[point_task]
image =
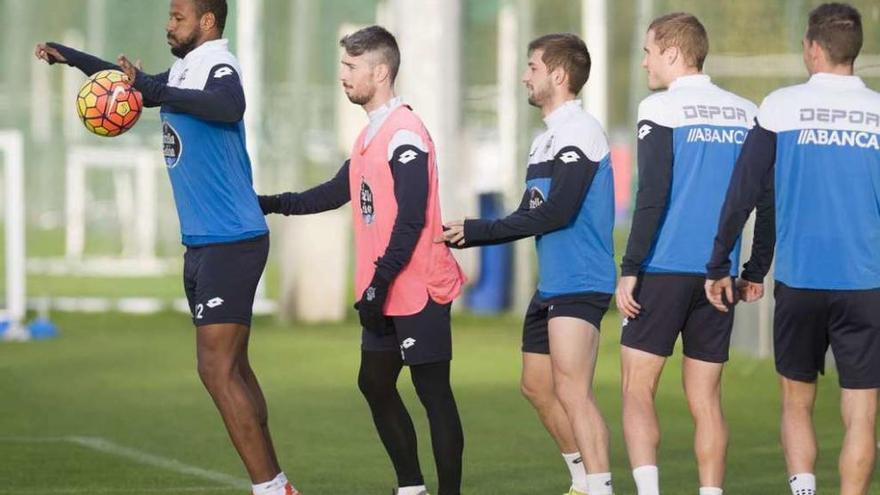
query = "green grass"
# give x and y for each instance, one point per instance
(131, 380)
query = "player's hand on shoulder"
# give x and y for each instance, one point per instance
(749, 291)
(626, 301)
(48, 54)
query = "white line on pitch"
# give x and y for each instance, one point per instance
(66, 491)
(108, 447)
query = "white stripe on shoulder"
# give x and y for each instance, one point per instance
(656, 109)
(405, 137)
(585, 133)
(807, 106)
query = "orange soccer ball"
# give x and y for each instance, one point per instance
(107, 104)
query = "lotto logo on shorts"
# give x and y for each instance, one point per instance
(407, 343)
(213, 303)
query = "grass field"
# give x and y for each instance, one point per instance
(114, 406)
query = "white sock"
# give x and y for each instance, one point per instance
(575, 464)
(647, 480)
(269, 487)
(803, 484)
(599, 484)
(710, 490)
(411, 490)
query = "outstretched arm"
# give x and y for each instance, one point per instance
(222, 99)
(327, 196)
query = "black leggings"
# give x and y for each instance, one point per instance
(378, 382)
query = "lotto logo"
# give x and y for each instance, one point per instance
(222, 72)
(569, 157)
(213, 303)
(407, 156)
(407, 343)
(644, 131)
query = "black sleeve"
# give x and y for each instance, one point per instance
(764, 239)
(222, 99)
(523, 207)
(409, 166)
(161, 79)
(327, 196)
(752, 179)
(90, 64)
(572, 175)
(655, 160)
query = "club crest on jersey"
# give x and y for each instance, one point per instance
(172, 146)
(367, 209)
(536, 198)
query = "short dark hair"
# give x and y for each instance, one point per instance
(837, 27)
(216, 7)
(374, 39)
(568, 51)
(685, 32)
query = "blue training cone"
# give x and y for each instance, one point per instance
(42, 329)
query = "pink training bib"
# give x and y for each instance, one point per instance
(432, 270)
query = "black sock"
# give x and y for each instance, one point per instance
(447, 439)
(378, 382)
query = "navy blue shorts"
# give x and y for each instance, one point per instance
(589, 306)
(675, 304)
(221, 280)
(808, 321)
(425, 337)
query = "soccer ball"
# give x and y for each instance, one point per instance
(107, 104)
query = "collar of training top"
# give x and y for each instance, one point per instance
(562, 113)
(378, 116)
(221, 44)
(837, 80)
(691, 80)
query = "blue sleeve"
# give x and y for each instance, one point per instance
(327, 196)
(409, 167)
(222, 99)
(752, 181)
(569, 183)
(655, 159)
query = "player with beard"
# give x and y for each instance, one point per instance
(225, 234)
(568, 206)
(404, 282)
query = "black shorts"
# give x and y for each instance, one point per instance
(221, 279)
(807, 321)
(673, 304)
(425, 337)
(589, 306)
